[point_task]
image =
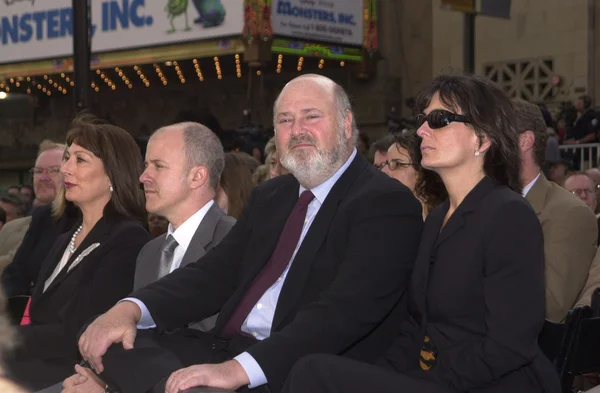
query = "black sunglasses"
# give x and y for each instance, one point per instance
(440, 118)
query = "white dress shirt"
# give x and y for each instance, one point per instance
(185, 233)
(260, 319)
(528, 187)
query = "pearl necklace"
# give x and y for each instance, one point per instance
(72, 247)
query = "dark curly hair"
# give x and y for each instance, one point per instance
(491, 115)
(410, 141)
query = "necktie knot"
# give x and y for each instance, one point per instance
(305, 198)
(170, 244)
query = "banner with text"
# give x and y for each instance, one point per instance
(36, 29)
(335, 21)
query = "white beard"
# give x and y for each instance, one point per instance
(313, 167)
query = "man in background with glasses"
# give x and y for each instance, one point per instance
(46, 172)
(584, 187)
(46, 181)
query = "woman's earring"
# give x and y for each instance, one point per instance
(110, 188)
(476, 155)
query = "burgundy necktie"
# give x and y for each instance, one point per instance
(288, 240)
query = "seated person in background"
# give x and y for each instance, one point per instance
(402, 165)
(236, 183)
(583, 186)
(318, 262)
(569, 226)
(273, 161)
(14, 205)
(261, 174)
(92, 266)
(476, 295)
(46, 180)
(379, 151)
(594, 173)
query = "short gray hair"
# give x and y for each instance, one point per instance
(202, 147)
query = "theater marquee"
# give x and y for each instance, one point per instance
(35, 29)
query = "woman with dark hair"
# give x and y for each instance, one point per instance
(90, 267)
(476, 296)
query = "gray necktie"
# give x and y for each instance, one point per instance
(166, 258)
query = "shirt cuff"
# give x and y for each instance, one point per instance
(146, 321)
(252, 368)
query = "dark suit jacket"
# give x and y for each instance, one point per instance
(94, 285)
(213, 228)
(347, 277)
(19, 277)
(477, 291)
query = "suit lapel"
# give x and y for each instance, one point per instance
(51, 261)
(470, 203)
(429, 238)
(204, 235)
(434, 236)
(311, 244)
(96, 235)
(146, 268)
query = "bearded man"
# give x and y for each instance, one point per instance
(318, 263)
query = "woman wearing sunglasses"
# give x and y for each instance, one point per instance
(476, 297)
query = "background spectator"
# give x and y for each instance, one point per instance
(14, 206)
(236, 183)
(47, 178)
(379, 151)
(594, 173)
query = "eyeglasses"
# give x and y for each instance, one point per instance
(582, 191)
(381, 165)
(440, 118)
(394, 164)
(51, 171)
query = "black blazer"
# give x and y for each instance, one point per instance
(347, 277)
(21, 275)
(477, 291)
(95, 284)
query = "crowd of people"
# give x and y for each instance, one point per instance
(431, 266)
